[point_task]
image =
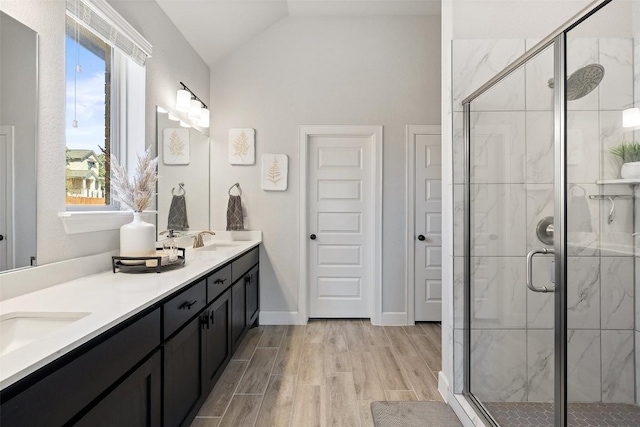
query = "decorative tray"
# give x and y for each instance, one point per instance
(146, 264)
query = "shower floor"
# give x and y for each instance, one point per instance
(533, 414)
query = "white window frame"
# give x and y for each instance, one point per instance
(127, 127)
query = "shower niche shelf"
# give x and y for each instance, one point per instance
(629, 181)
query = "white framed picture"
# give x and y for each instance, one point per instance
(275, 168)
(175, 147)
(242, 146)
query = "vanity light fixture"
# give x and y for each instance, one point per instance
(631, 117)
(188, 102)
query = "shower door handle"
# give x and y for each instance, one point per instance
(530, 255)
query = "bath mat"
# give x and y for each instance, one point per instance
(413, 414)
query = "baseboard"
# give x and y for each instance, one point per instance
(443, 386)
(391, 318)
(281, 318)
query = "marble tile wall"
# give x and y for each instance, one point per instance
(512, 189)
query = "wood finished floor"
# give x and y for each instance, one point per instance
(326, 373)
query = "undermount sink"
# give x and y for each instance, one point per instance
(18, 329)
(220, 246)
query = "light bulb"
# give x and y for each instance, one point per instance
(183, 101)
(631, 117)
(204, 118)
(194, 111)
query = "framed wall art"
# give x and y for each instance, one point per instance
(175, 147)
(275, 168)
(242, 146)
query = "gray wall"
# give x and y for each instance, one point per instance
(173, 60)
(18, 108)
(329, 70)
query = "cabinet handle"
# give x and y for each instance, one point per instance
(187, 305)
(212, 318)
(204, 320)
(219, 281)
(248, 280)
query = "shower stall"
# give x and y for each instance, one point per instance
(547, 315)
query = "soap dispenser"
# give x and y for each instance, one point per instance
(170, 245)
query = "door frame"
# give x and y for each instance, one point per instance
(375, 132)
(410, 286)
(9, 183)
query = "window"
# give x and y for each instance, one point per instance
(88, 116)
(105, 100)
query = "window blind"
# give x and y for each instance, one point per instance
(99, 17)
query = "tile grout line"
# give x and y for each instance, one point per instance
(239, 381)
(423, 359)
(402, 370)
(295, 394)
(264, 393)
(375, 365)
(353, 379)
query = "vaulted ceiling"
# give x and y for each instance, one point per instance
(217, 27)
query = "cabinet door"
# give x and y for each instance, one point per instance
(182, 362)
(238, 312)
(135, 402)
(217, 339)
(253, 294)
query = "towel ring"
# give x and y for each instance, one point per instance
(235, 185)
(181, 185)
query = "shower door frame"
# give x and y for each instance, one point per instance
(558, 40)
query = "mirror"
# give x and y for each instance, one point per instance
(183, 176)
(18, 143)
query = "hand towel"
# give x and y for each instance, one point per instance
(234, 214)
(178, 214)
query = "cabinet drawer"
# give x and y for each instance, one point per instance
(218, 282)
(183, 307)
(244, 263)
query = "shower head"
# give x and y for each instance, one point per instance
(582, 81)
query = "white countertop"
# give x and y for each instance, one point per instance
(109, 298)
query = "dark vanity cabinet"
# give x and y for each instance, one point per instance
(238, 312)
(216, 339)
(155, 369)
(118, 369)
(135, 402)
(252, 294)
(245, 294)
(182, 352)
(182, 362)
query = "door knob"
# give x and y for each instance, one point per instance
(312, 237)
(1, 237)
(421, 237)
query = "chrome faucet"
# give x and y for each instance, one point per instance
(197, 240)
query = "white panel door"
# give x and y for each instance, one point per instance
(6, 199)
(339, 223)
(428, 228)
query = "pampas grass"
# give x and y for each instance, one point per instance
(138, 194)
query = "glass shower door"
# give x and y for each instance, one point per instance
(510, 260)
(601, 255)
